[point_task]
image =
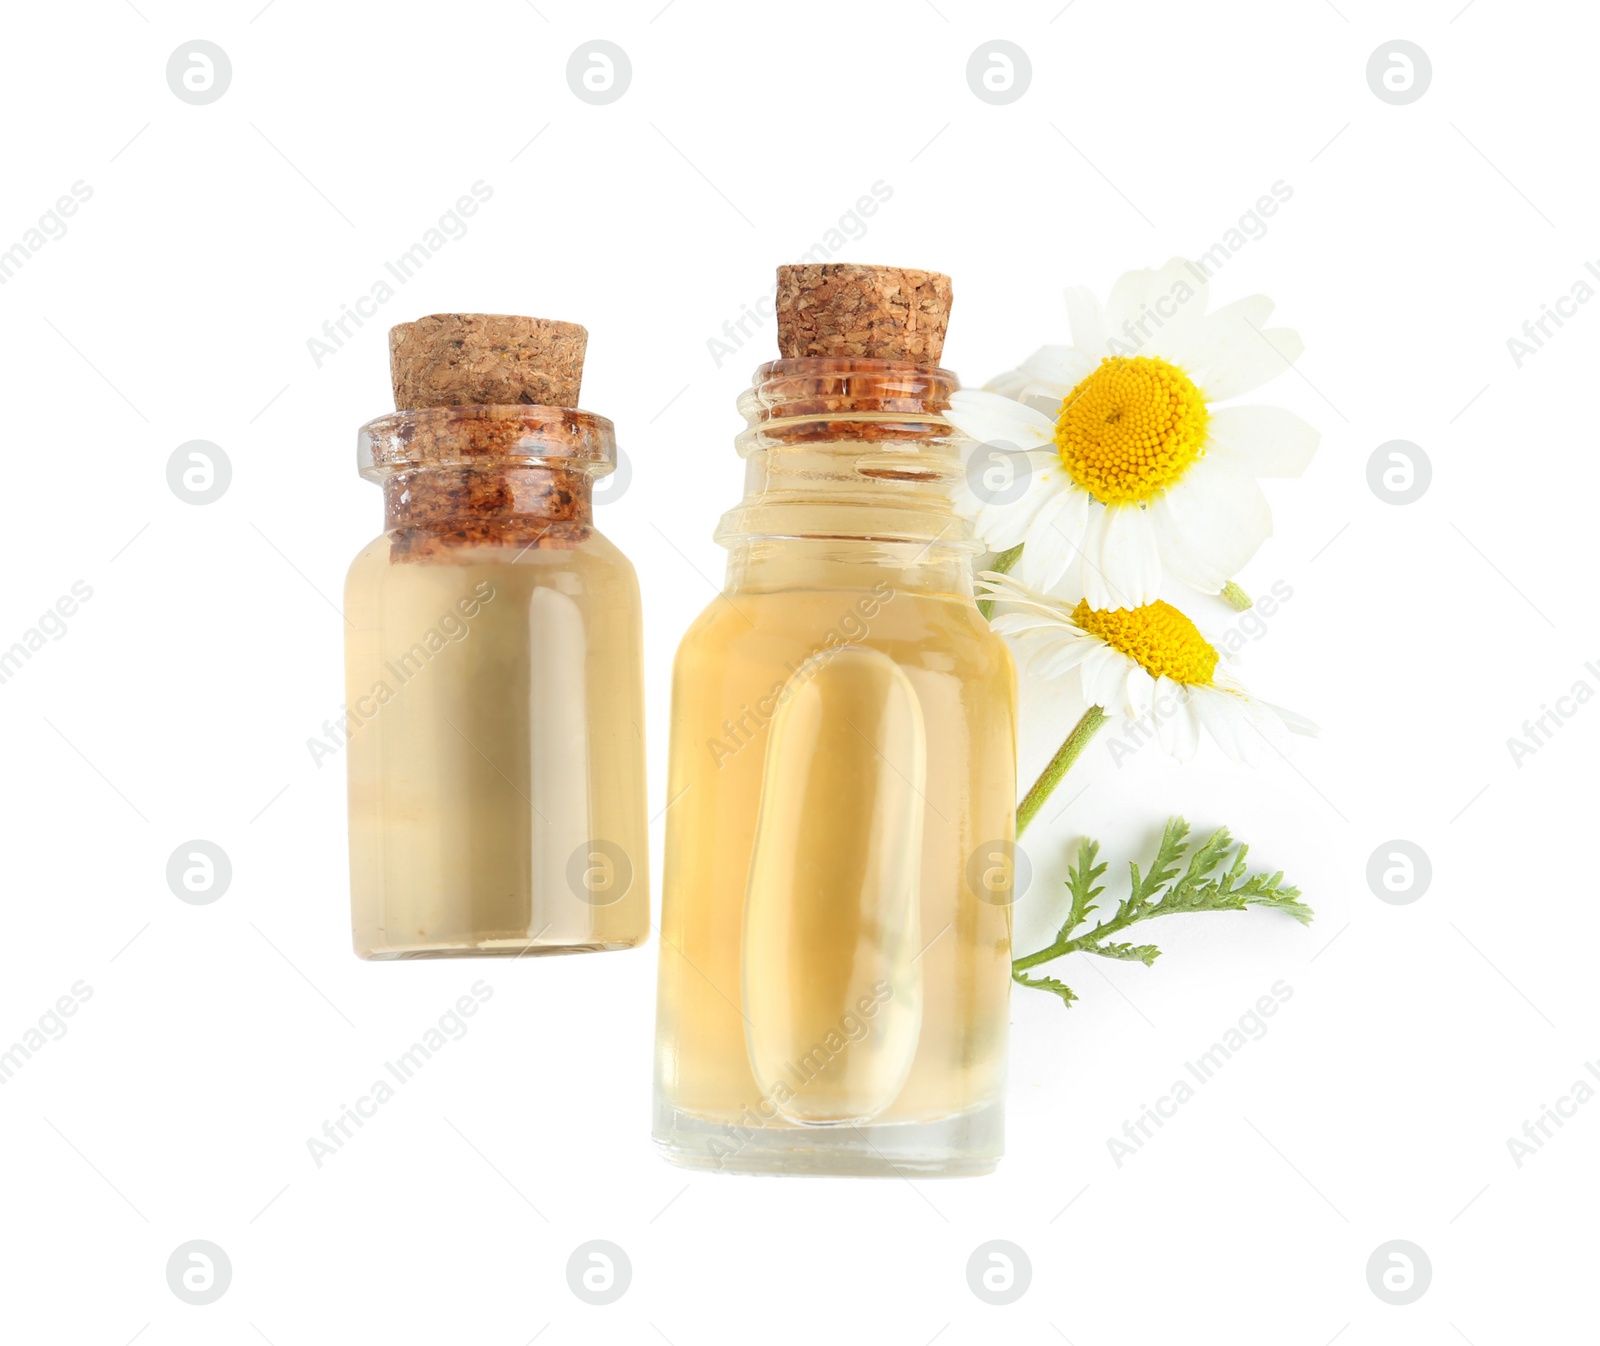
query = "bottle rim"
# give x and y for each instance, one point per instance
(895, 404)
(487, 436)
(867, 450)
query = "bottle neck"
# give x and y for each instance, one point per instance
(773, 565)
(848, 470)
(462, 478)
(430, 497)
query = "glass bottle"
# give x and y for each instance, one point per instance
(494, 692)
(835, 954)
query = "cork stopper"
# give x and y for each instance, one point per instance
(485, 359)
(862, 312)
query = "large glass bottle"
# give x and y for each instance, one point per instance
(835, 951)
(494, 691)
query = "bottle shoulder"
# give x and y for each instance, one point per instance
(912, 626)
(396, 547)
(594, 566)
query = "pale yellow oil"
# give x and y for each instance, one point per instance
(496, 753)
(839, 753)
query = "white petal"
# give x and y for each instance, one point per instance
(1231, 351)
(1069, 654)
(1011, 384)
(1162, 301)
(1209, 345)
(1174, 344)
(1059, 369)
(1224, 718)
(1128, 558)
(1090, 578)
(1209, 524)
(1088, 322)
(1024, 623)
(1166, 732)
(1266, 729)
(1291, 720)
(1000, 522)
(1139, 691)
(1045, 403)
(1105, 679)
(1041, 649)
(1055, 538)
(1180, 730)
(1010, 589)
(1261, 441)
(1245, 367)
(1120, 565)
(991, 419)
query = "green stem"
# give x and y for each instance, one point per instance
(1066, 755)
(1019, 965)
(1087, 940)
(1235, 597)
(1002, 564)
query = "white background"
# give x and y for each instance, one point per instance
(178, 705)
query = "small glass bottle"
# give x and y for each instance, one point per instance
(835, 949)
(494, 669)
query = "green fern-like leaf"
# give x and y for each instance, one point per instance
(1182, 879)
(1081, 884)
(1128, 953)
(1050, 984)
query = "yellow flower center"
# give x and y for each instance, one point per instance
(1157, 637)
(1131, 428)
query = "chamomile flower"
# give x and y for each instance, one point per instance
(1148, 660)
(1123, 469)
